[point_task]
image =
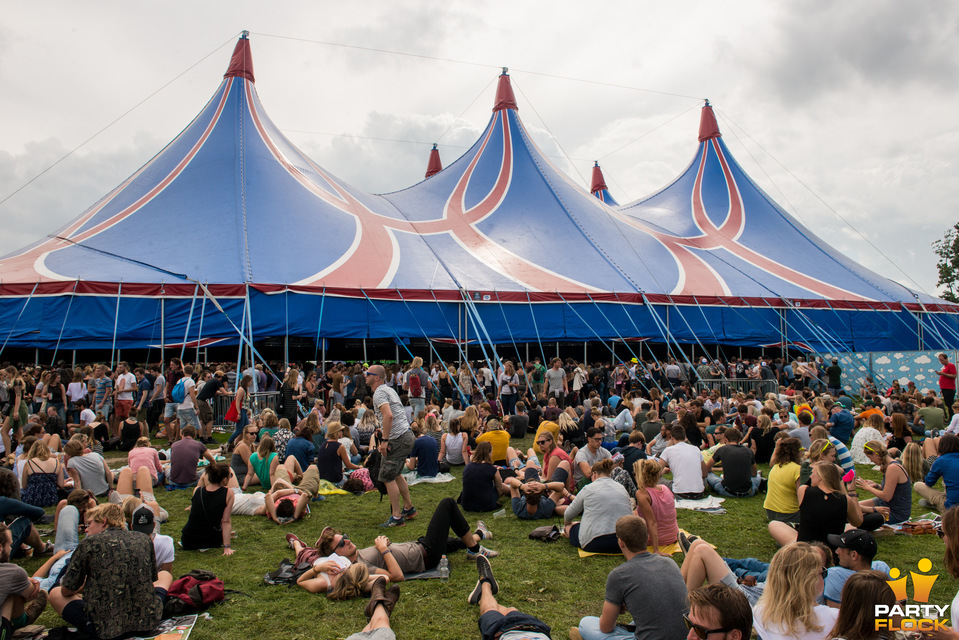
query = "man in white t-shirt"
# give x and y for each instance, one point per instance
(125, 385)
(686, 464)
(186, 410)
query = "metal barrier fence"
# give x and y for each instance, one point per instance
(262, 400)
(730, 386)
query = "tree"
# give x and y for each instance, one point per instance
(948, 251)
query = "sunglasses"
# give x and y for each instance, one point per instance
(824, 572)
(542, 442)
(701, 631)
(251, 433)
(343, 541)
(941, 533)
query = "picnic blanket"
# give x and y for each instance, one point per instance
(709, 504)
(177, 628)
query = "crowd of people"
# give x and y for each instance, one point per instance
(602, 439)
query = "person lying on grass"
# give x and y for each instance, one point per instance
(326, 572)
(414, 557)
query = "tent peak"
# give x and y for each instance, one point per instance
(241, 63)
(504, 93)
(434, 165)
(708, 127)
(599, 182)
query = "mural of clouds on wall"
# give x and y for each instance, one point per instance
(885, 367)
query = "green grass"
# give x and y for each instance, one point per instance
(548, 580)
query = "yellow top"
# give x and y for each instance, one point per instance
(499, 439)
(781, 488)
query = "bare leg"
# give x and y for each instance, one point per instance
(404, 490)
(380, 619)
(53, 442)
(702, 563)
(393, 491)
(512, 458)
(125, 482)
(782, 533)
(293, 468)
(488, 601)
(164, 580)
(144, 481)
(930, 447)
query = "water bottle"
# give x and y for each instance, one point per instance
(444, 567)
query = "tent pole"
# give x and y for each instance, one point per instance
(36, 357)
(612, 353)
(286, 336)
(640, 350)
(73, 364)
(365, 359)
(239, 353)
(584, 351)
(162, 330)
(189, 319)
(116, 320)
(249, 328)
(323, 362)
(557, 348)
(200, 333)
(527, 353)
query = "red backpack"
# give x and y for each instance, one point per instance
(415, 387)
(193, 592)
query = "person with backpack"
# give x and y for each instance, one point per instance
(110, 556)
(417, 383)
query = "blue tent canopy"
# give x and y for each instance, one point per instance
(231, 229)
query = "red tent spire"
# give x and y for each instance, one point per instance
(599, 183)
(504, 93)
(708, 127)
(241, 64)
(435, 165)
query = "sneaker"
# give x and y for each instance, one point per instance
(483, 532)
(409, 514)
(35, 607)
(394, 522)
(924, 503)
(485, 571)
(685, 542)
(482, 552)
(290, 538)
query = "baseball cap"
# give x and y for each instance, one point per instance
(143, 520)
(855, 540)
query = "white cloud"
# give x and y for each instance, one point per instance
(904, 368)
(883, 360)
(923, 360)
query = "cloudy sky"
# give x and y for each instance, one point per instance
(841, 111)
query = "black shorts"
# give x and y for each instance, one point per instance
(493, 623)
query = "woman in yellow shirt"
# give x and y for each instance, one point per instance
(782, 502)
(499, 440)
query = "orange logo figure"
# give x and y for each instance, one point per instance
(921, 584)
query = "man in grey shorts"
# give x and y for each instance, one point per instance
(395, 446)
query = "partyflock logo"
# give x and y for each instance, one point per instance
(923, 617)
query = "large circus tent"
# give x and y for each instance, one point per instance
(230, 233)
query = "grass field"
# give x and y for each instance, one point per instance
(548, 580)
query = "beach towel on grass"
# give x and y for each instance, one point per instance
(709, 504)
